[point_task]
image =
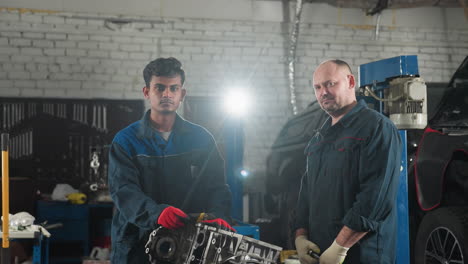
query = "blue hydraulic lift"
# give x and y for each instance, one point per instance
(377, 75)
(234, 153)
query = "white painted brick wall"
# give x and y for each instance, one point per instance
(56, 36)
(9, 50)
(55, 92)
(20, 42)
(35, 18)
(33, 35)
(77, 37)
(65, 44)
(54, 52)
(56, 55)
(32, 51)
(41, 43)
(56, 20)
(108, 46)
(75, 52)
(31, 92)
(37, 75)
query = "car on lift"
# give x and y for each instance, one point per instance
(437, 173)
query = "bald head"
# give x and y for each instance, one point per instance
(339, 63)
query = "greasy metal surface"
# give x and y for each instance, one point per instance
(204, 244)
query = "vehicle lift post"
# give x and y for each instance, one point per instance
(378, 75)
(234, 151)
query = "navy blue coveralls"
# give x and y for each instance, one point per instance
(352, 176)
(148, 174)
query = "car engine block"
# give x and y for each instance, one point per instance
(205, 244)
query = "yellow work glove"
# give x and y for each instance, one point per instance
(335, 254)
(303, 246)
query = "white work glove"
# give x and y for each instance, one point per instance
(303, 246)
(335, 254)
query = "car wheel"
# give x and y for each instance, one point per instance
(443, 237)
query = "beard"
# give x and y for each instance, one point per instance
(334, 108)
(330, 106)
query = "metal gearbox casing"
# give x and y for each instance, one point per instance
(410, 111)
(204, 244)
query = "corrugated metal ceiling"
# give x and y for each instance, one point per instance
(367, 4)
(374, 6)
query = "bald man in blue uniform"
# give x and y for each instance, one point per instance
(346, 207)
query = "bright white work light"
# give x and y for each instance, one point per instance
(244, 173)
(236, 102)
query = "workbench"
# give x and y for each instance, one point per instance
(72, 241)
(40, 246)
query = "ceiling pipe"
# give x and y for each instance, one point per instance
(292, 56)
(377, 27)
(381, 5)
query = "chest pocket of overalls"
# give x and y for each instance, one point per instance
(313, 159)
(344, 158)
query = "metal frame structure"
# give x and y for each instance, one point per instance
(377, 75)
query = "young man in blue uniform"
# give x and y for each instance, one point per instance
(346, 207)
(153, 164)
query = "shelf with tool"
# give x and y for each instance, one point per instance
(52, 140)
(55, 141)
